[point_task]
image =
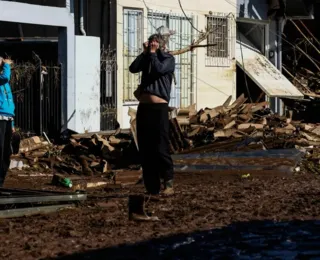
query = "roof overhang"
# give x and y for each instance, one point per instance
(267, 77)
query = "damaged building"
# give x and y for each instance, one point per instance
(80, 79)
(259, 49)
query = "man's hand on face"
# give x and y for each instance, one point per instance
(154, 46)
(145, 47)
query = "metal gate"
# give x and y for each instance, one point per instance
(182, 94)
(37, 94)
(108, 90)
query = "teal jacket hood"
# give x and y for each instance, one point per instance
(7, 106)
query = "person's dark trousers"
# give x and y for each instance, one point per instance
(153, 144)
(5, 148)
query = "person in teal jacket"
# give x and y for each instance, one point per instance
(7, 108)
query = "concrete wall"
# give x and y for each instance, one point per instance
(87, 84)
(213, 84)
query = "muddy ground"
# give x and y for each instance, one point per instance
(189, 222)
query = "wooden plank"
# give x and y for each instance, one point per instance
(204, 117)
(196, 131)
(283, 131)
(133, 127)
(33, 147)
(291, 127)
(101, 133)
(247, 108)
(230, 125)
(244, 117)
(183, 120)
(248, 125)
(213, 113)
(310, 136)
(259, 106)
(239, 101)
(227, 102)
(224, 133)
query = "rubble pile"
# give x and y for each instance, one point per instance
(240, 126)
(312, 160)
(307, 81)
(86, 154)
(237, 126)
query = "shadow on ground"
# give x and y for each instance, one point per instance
(243, 240)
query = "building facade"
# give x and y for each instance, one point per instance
(205, 76)
(95, 42)
(261, 24)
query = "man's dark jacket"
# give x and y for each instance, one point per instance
(157, 73)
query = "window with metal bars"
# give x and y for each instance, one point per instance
(220, 38)
(132, 47)
(182, 94)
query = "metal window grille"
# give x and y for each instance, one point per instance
(222, 28)
(132, 47)
(182, 94)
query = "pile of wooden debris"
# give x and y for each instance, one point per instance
(308, 82)
(252, 125)
(86, 154)
(237, 126)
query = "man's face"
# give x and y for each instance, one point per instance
(160, 41)
(153, 40)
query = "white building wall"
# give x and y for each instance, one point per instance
(87, 90)
(213, 85)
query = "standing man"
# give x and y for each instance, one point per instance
(7, 108)
(157, 67)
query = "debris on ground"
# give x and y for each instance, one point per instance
(308, 81)
(240, 126)
(237, 126)
(22, 202)
(84, 154)
(61, 180)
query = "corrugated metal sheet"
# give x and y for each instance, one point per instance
(263, 72)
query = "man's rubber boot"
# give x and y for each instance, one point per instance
(137, 212)
(168, 188)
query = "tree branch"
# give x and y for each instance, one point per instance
(196, 44)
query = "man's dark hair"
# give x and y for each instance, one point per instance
(154, 37)
(159, 38)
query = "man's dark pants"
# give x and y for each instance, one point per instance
(153, 142)
(5, 148)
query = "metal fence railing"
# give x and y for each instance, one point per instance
(37, 94)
